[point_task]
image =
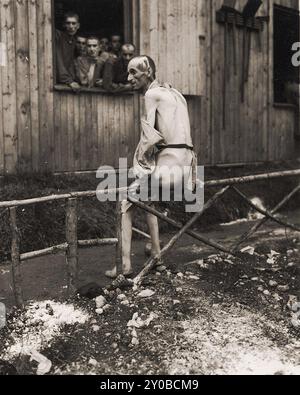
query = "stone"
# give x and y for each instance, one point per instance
(135, 341)
(93, 362)
(291, 265)
(99, 311)
(267, 293)
(196, 278)
(147, 293)
(100, 302)
(49, 309)
(273, 284)
(277, 297)
(293, 303)
(276, 269)
(295, 321)
(283, 288)
(248, 250)
(273, 254)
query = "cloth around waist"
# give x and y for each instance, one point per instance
(175, 146)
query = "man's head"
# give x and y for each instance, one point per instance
(71, 23)
(81, 45)
(128, 52)
(116, 42)
(93, 47)
(142, 72)
(104, 44)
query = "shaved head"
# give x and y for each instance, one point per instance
(128, 52)
(145, 64)
(128, 47)
(141, 72)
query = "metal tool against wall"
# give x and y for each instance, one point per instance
(249, 12)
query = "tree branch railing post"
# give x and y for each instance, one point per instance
(267, 216)
(72, 242)
(151, 263)
(15, 258)
(119, 231)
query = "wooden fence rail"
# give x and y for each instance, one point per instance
(70, 248)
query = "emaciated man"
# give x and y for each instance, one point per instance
(165, 145)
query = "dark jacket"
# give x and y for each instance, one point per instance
(82, 67)
(115, 76)
(65, 56)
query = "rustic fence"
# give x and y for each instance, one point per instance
(70, 248)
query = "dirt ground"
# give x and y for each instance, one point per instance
(207, 314)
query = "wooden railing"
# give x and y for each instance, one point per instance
(70, 248)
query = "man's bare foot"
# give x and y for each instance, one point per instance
(113, 273)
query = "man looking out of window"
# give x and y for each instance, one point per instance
(115, 78)
(104, 44)
(89, 69)
(65, 51)
(80, 46)
(116, 44)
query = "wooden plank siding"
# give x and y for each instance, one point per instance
(42, 129)
(23, 111)
(9, 90)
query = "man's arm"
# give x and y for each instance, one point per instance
(108, 75)
(63, 75)
(151, 104)
(81, 72)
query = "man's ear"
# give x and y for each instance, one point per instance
(149, 72)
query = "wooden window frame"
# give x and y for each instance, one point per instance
(277, 104)
(131, 34)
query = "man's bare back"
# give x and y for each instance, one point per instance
(166, 111)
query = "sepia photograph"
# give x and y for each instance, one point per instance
(149, 190)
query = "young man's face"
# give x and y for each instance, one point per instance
(72, 26)
(93, 48)
(128, 53)
(104, 44)
(116, 43)
(138, 79)
(81, 46)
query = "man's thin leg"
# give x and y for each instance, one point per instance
(154, 233)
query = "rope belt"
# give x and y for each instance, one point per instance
(176, 146)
